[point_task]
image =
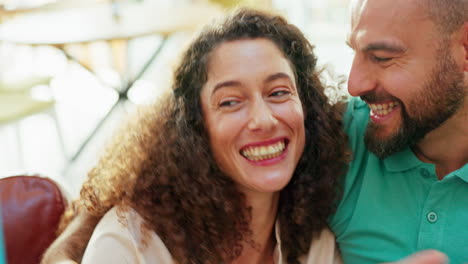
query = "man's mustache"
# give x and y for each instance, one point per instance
(373, 97)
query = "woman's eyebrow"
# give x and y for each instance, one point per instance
(233, 83)
(229, 83)
(279, 75)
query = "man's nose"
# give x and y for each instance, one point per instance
(261, 117)
(361, 78)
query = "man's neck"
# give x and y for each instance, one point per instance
(264, 209)
(447, 146)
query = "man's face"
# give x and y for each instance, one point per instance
(404, 71)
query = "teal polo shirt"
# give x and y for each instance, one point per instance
(394, 207)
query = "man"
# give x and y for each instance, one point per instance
(407, 188)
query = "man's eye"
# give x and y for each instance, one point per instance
(380, 59)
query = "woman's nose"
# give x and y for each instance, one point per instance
(261, 117)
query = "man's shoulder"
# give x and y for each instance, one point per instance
(355, 122)
(357, 111)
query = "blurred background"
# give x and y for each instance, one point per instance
(71, 71)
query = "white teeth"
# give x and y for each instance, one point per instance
(383, 109)
(271, 149)
(263, 152)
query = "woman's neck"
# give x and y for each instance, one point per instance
(264, 210)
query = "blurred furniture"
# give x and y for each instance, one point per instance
(259, 4)
(18, 100)
(31, 207)
(12, 6)
(116, 22)
(2, 244)
(23, 83)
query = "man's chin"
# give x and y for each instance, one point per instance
(384, 144)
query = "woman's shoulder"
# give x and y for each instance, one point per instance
(121, 238)
(323, 249)
(111, 242)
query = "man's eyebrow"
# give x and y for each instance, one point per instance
(384, 46)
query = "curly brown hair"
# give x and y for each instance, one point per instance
(161, 164)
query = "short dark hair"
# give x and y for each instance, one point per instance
(448, 15)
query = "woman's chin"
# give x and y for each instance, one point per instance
(267, 184)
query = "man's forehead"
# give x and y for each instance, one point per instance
(356, 9)
(381, 17)
(386, 9)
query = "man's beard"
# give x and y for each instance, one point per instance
(439, 100)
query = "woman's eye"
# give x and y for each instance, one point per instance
(228, 103)
(279, 93)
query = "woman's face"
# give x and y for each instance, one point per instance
(253, 114)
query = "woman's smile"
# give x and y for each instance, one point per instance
(265, 153)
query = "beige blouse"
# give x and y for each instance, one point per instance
(118, 241)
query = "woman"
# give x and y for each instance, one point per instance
(234, 166)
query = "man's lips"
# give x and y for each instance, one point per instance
(380, 112)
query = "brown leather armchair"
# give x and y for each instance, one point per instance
(31, 210)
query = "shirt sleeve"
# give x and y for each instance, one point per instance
(110, 248)
(355, 122)
(323, 250)
(112, 242)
